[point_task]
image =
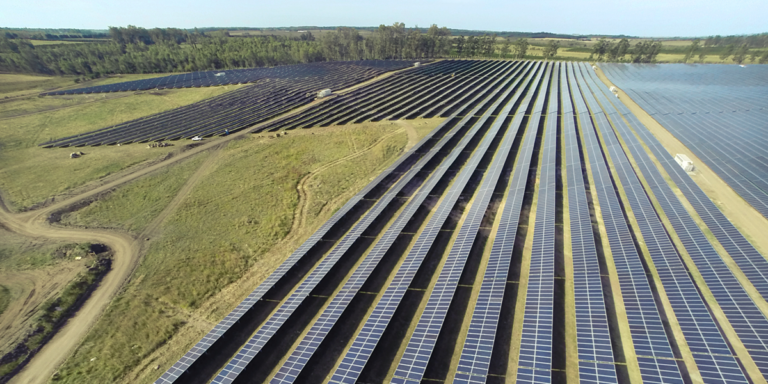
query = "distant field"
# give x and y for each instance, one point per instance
(29, 174)
(54, 42)
(280, 32)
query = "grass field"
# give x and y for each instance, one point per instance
(29, 174)
(236, 220)
(5, 298)
(132, 207)
(54, 42)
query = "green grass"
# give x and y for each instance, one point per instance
(19, 253)
(5, 298)
(229, 223)
(134, 206)
(30, 174)
(54, 312)
(16, 85)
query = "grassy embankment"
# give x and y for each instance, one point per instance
(46, 304)
(29, 174)
(236, 221)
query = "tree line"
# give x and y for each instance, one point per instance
(759, 40)
(644, 51)
(138, 50)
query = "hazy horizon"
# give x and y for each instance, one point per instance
(650, 18)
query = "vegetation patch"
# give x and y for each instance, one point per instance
(30, 174)
(134, 206)
(230, 222)
(5, 298)
(55, 312)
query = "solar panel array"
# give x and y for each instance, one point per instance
(488, 103)
(651, 343)
(238, 76)
(364, 343)
(718, 112)
(749, 260)
(535, 357)
(229, 112)
(433, 90)
(320, 329)
(592, 333)
(741, 311)
(412, 365)
(181, 367)
(265, 333)
(474, 364)
(711, 352)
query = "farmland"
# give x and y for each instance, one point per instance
(461, 221)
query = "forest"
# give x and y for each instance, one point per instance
(138, 50)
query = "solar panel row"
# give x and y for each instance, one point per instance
(229, 112)
(181, 367)
(718, 113)
(249, 351)
(749, 260)
(712, 354)
(535, 357)
(650, 341)
(377, 98)
(364, 343)
(320, 328)
(476, 353)
(741, 311)
(592, 331)
(237, 76)
(412, 365)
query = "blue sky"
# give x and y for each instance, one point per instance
(650, 18)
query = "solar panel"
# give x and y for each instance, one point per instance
(646, 328)
(221, 328)
(310, 343)
(592, 332)
(475, 358)
(412, 365)
(701, 332)
(366, 340)
(716, 111)
(743, 314)
(535, 357)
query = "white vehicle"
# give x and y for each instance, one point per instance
(197, 138)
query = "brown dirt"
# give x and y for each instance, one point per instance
(31, 288)
(749, 221)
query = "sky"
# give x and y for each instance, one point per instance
(645, 18)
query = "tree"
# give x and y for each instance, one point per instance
(727, 52)
(460, 43)
(741, 54)
(520, 48)
(505, 47)
(763, 58)
(550, 51)
(472, 44)
(600, 49)
(702, 56)
(691, 50)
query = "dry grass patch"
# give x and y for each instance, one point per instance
(229, 226)
(30, 174)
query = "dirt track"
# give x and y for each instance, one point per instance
(127, 251)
